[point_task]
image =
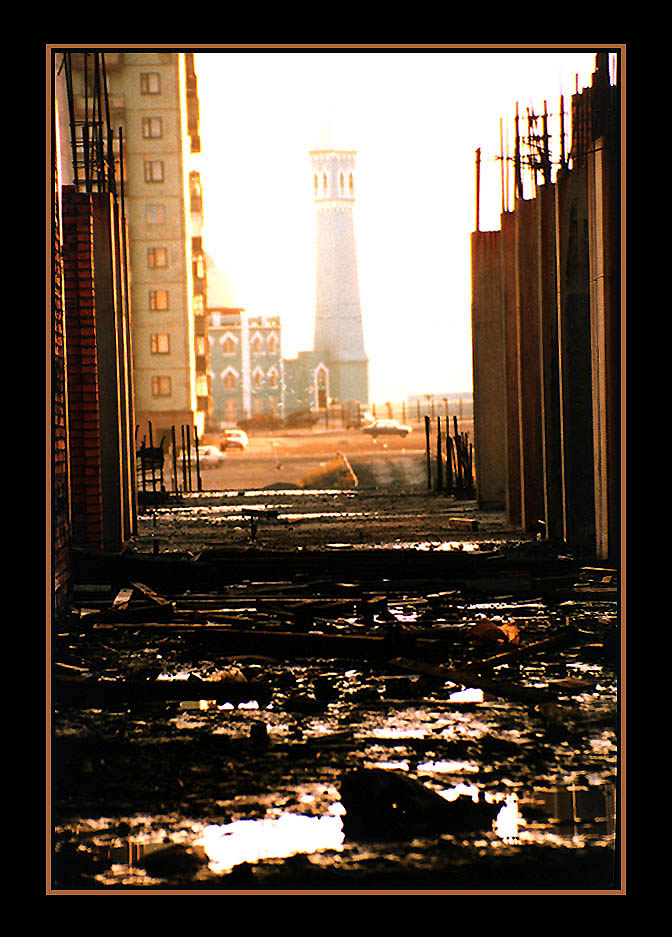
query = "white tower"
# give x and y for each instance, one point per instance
(338, 317)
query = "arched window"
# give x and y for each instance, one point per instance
(351, 183)
(272, 343)
(230, 379)
(321, 386)
(228, 345)
(273, 378)
(324, 181)
(257, 345)
(340, 183)
(258, 378)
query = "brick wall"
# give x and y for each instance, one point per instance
(82, 370)
(59, 494)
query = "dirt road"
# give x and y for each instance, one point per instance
(289, 458)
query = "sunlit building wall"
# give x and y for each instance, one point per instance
(153, 100)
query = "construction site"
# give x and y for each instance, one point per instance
(336, 664)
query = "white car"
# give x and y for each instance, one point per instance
(234, 439)
(386, 428)
(209, 457)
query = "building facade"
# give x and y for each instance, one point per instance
(246, 369)
(153, 106)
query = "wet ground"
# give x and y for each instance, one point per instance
(216, 686)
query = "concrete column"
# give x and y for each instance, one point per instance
(126, 388)
(529, 373)
(549, 363)
(574, 345)
(109, 352)
(603, 217)
(511, 384)
(489, 355)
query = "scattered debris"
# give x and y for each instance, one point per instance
(387, 805)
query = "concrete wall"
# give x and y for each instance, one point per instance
(546, 326)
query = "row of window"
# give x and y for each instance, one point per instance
(229, 342)
(232, 411)
(160, 344)
(159, 301)
(231, 380)
(162, 386)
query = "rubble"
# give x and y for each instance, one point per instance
(219, 685)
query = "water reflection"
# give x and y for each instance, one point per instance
(572, 816)
(270, 838)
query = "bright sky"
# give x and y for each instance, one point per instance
(416, 119)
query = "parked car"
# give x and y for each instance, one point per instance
(210, 457)
(234, 439)
(386, 428)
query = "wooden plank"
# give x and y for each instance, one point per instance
(469, 679)
(95, 693)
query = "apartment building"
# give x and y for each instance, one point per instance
(153, 109)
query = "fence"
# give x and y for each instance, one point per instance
(453, 459)
(152, 462)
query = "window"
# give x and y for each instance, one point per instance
(230, 380)
(161, 386)
(155, 214)
(273, 378)
(230, 411)
(272, 343)
(257, 345)
(158, 300)
(228, 346)
(157, 257)
(150, 83)
(153, 170)
(198, 306)
(152, 128)
(160, 344)
(258, 379)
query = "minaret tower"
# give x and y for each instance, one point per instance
(338, 315)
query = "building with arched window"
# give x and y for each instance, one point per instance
(246, 368)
